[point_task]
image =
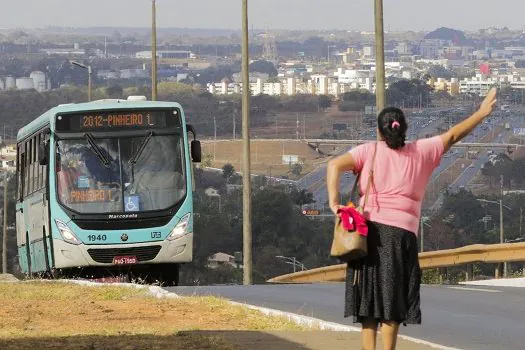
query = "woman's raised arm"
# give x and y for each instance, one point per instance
(462, 129)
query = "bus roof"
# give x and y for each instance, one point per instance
(48, 117)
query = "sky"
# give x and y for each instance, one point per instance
(265, 14)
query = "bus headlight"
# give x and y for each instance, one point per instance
(66, 233)
(181, 228)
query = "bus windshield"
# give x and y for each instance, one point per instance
(120, 175)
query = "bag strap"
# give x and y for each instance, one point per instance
(370, 176)
(370, 179)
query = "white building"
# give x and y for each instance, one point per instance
(166, 54)
(221, 259)
(39, 80)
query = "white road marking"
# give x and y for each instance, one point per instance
(476, 289)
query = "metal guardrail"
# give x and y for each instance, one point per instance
(358, 142)
(492, 253)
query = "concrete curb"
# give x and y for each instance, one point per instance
(301, 320)
(154, 291)
(503, 282)
(328, 326)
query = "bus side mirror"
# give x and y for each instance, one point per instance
(42, 154)
(196, 153)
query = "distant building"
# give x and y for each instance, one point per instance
(452, 86)
(64, 52)
(166, 54)
(221, 259)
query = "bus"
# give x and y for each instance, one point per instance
(106, 187)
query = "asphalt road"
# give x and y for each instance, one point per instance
(319, 175)
(481, 318)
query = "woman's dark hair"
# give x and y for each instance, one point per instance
(392, 126)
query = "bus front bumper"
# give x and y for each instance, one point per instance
(68, 255)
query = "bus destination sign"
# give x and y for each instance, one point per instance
(115, 120)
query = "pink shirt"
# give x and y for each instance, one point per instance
(400, 180)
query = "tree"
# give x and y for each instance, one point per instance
(302, 197)
(438, 71)
(356, 100)
(296, 169)
(174, 88)
(411, 91)
(115, 91)
(325, 101)
(228, 171)
(262, 66)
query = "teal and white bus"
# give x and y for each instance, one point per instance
(107, 186)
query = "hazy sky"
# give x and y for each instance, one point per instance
(279, 14)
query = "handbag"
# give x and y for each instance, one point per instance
(352, 245)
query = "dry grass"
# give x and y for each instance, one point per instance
(266, 157)
(72, 316)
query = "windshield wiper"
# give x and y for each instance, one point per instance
(136, 157)
(97, 150)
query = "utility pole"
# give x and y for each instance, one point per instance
(304, 127)
(215, 128)
(4, 237)
(153, 51)
(521, 218)
(214, 135)
(246, 178)
(380, 57)
(234, 114)
(501, 224)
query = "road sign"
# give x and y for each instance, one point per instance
(519, 131)
(311, 212)
(290, 159)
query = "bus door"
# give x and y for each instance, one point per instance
(37, 218)
(21, 230)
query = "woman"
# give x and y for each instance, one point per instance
(384, 287)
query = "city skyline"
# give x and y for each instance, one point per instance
(405, 15)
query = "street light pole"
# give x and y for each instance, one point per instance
(90, 79)
(153, 51)
(380, 56)
(4, 237)
(501, 238)
(246, 180)
(501, 231)
(90, 82)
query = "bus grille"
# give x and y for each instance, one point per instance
(106, 256)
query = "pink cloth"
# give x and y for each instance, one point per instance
(400, 180)
(353, 220)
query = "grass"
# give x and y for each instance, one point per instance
(73, 316)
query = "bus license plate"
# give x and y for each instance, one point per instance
(125, 260)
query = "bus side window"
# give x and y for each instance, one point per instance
(30, 166)
(26, 168)
(36, 166)
(20, 167)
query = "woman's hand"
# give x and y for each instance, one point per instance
(336, 207)
(488, 103)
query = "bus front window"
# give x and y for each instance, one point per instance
(130, 181)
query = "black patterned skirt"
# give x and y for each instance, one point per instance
(385, 285)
